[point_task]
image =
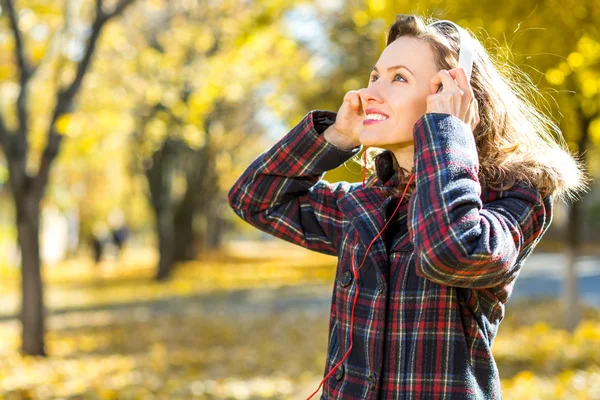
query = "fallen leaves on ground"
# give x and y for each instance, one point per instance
(198, 337)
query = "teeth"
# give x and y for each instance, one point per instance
(377, 117)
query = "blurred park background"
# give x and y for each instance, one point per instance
(123, 124)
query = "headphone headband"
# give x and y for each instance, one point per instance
(467, 50)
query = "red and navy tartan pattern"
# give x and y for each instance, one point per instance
(433, 288)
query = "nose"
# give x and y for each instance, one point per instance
(370, 94)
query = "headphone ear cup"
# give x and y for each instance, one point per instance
(467, 47)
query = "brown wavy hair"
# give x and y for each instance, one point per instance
(515, 141)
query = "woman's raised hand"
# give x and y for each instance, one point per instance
(346, 130)
(456, 98)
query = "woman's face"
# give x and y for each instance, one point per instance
(399, 93)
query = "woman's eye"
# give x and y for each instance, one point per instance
(374, 77)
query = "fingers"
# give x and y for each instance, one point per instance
(443, 77)
(455, 84)
(353, 99)
(461, 78)
(470, 105)
(455, 78)
(359, 104)
(435, 82)
(466, 90)
(359, 101)
(348, 98)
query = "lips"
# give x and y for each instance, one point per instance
(370, 111)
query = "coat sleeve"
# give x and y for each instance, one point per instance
(282, 191)
(458, 240)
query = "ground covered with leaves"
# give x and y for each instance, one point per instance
(233, 327)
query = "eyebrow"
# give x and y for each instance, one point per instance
(394, 68)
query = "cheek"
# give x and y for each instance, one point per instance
(409, 110)
(418, 107)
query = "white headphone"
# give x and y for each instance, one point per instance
(467, 48)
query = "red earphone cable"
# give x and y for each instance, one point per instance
(364, 166)
(355, 271)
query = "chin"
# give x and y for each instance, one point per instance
(371, 139)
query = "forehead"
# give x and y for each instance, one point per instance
(416, 54)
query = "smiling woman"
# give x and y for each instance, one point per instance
(396, 97)
(465, 186)
(514, 140)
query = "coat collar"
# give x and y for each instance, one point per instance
(387, 169)
(389, 174)
(369, 208)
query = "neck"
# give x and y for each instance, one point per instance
(405, 156)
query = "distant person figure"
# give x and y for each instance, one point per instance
(119, 237)
(100, 238)
(119, 231)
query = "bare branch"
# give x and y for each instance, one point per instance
(14, 26)
(66, 97)
(41, 179)
(24, 71)
(56, 44)
(99, 7)
(119, 8)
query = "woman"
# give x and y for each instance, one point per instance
(462, 190)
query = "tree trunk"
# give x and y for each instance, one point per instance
(572, 313)
(201, 236)
(198, 193)
(184, 247)
(571, 294)
(166, 239)
(160, 177)
(214, 230)
(32, 306)
(28, 190)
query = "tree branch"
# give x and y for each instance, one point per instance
(66, 96)
(14, 26)
(25, 72)
(119, 8)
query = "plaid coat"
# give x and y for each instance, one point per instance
(434, 285)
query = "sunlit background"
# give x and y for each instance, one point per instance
(125, 122)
